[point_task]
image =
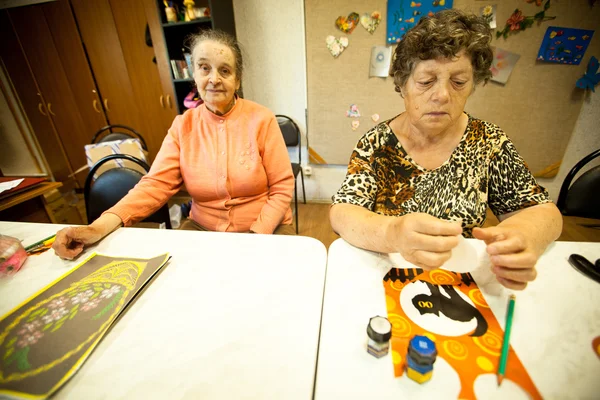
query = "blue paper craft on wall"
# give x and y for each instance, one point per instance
(404, 14)
(564, 45)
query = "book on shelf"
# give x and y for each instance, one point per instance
(180, 69)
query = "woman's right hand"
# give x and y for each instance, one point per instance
(70, 242)
(422, 239)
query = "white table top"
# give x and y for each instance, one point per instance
(556, 318)
(231, 316)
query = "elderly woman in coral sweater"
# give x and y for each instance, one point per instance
(229, 152)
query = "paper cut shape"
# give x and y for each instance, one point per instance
(564, 45)
(503, 64)
(489, 14)
(449, 308)
(336, 46)
(347, 24)
(375, 117)
(404, 14)
(370, 22)
(47, 338)
(381, 56)
(353, 111)
(355, 124)
(591, 77)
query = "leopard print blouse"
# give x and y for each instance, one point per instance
(484, 170)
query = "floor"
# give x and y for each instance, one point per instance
(314, 222)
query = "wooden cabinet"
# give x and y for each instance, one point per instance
(79, 65)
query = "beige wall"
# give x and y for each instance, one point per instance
(272, 32)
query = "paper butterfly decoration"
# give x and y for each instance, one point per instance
(591, 77)
(336, 46)
(371, 22)
(347, 24)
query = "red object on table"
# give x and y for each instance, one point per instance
(26, 184)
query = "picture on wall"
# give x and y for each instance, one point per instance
(564, 45)
(503, 64)
(404, 14)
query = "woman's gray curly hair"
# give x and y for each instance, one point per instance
(444, 34)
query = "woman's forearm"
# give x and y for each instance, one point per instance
(361, 227)
(106, 224)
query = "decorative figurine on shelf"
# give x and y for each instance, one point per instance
(170, 11)
(190, 14)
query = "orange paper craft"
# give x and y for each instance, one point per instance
(443, 294)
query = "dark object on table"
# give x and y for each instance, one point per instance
(112, 185)
(583, 265)
(580, 199)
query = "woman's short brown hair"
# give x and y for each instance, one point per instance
(223, 38)
(444, 34)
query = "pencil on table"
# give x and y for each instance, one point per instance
(42, 242)
(506, 341)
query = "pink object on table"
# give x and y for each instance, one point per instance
(12, 255)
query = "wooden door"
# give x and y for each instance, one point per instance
(74, 60)
(101, 41)
(22, 78)
(36, 39)
(158, 106)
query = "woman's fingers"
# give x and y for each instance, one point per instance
(429, 260)
(517, 275)
(512, 284)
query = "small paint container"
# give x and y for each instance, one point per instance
(422, 354)
(379, 332)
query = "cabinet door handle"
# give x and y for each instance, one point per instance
(162, 102)
(169, 101)
(50, 109)
(106, 104)
(95, 105)
(41, 109)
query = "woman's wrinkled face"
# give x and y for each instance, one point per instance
(215, 75)
(436, 92)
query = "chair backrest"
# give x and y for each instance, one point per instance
(112, 185)
(581, 199)
(117, 132)
(291, 133)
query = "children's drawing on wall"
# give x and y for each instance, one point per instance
(404, 14)
(564, 45)
(591, 77)
(370, 22)
(379, 65)
(335, 45)
(347, 24)
(503, 64)
(489, 14)
(518, 22)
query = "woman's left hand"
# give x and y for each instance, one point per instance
(513, 256)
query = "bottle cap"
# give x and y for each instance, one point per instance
(379, 329)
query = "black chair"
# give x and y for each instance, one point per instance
(112, 185)
(117, 132)
(581, 199)
(291, 135)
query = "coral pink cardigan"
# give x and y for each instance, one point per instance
(235, 167)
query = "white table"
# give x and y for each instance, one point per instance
(556, 319)
(231, 316)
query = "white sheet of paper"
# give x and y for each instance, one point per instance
(380, 61)
(4, 186)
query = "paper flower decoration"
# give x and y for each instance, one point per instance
(518, 22)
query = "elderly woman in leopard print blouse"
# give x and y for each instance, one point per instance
(419, 180)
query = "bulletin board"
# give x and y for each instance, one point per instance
(537, 107)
